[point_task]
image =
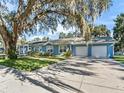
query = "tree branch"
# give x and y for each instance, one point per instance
(3, 30)
(28, 10)
(41, 15)
(19, 10)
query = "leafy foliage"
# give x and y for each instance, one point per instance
(119, 33)
(39, 54)
(62, 35)
(69, 35)
(119, 59)
(46, 54)
(36, 39)
(48, 13)
(34, 54)
(67, 54)
(45, 39)
(100, 30)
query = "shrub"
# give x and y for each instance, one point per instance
(67, 54)
(46, 54)
(34, 54)
(30, 53)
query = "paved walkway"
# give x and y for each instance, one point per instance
(76, 75)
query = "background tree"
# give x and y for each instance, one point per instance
(119, 33)
(76, 34)
(62, 35)
(100, 30)
(36, 39)
(46, 14)
(70, 35)
(23, 41)
(45, 38)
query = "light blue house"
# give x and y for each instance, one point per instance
(97, 48)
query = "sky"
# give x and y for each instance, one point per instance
(106, 18)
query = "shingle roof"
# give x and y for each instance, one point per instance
(75, 40)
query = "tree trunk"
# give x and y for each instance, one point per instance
(12, 51)
(10, 48)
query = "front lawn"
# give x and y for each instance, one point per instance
(25, 64)
(56, 58)
(119, 58)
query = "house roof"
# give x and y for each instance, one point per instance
(36, 42)
(76, 40)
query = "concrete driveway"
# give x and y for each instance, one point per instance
(75, 75)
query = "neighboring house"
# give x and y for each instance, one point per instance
(102, 47)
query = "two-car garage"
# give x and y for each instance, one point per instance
(81, 51)
(99, 51)
(96, 51)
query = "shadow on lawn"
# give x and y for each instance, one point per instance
(50, 78)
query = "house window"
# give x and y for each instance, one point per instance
(34, 49)
(29, 48)
(63, 48)
(40, 48)
(21, 49)
(49, 49)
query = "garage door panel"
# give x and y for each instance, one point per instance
(81, 51)
(99, 51)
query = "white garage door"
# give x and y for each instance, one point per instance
(99, 51)
(81, 51)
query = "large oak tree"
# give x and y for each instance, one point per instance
(46, 14)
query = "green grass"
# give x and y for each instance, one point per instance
(119, 58)
(25, 64)
(49, 58)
